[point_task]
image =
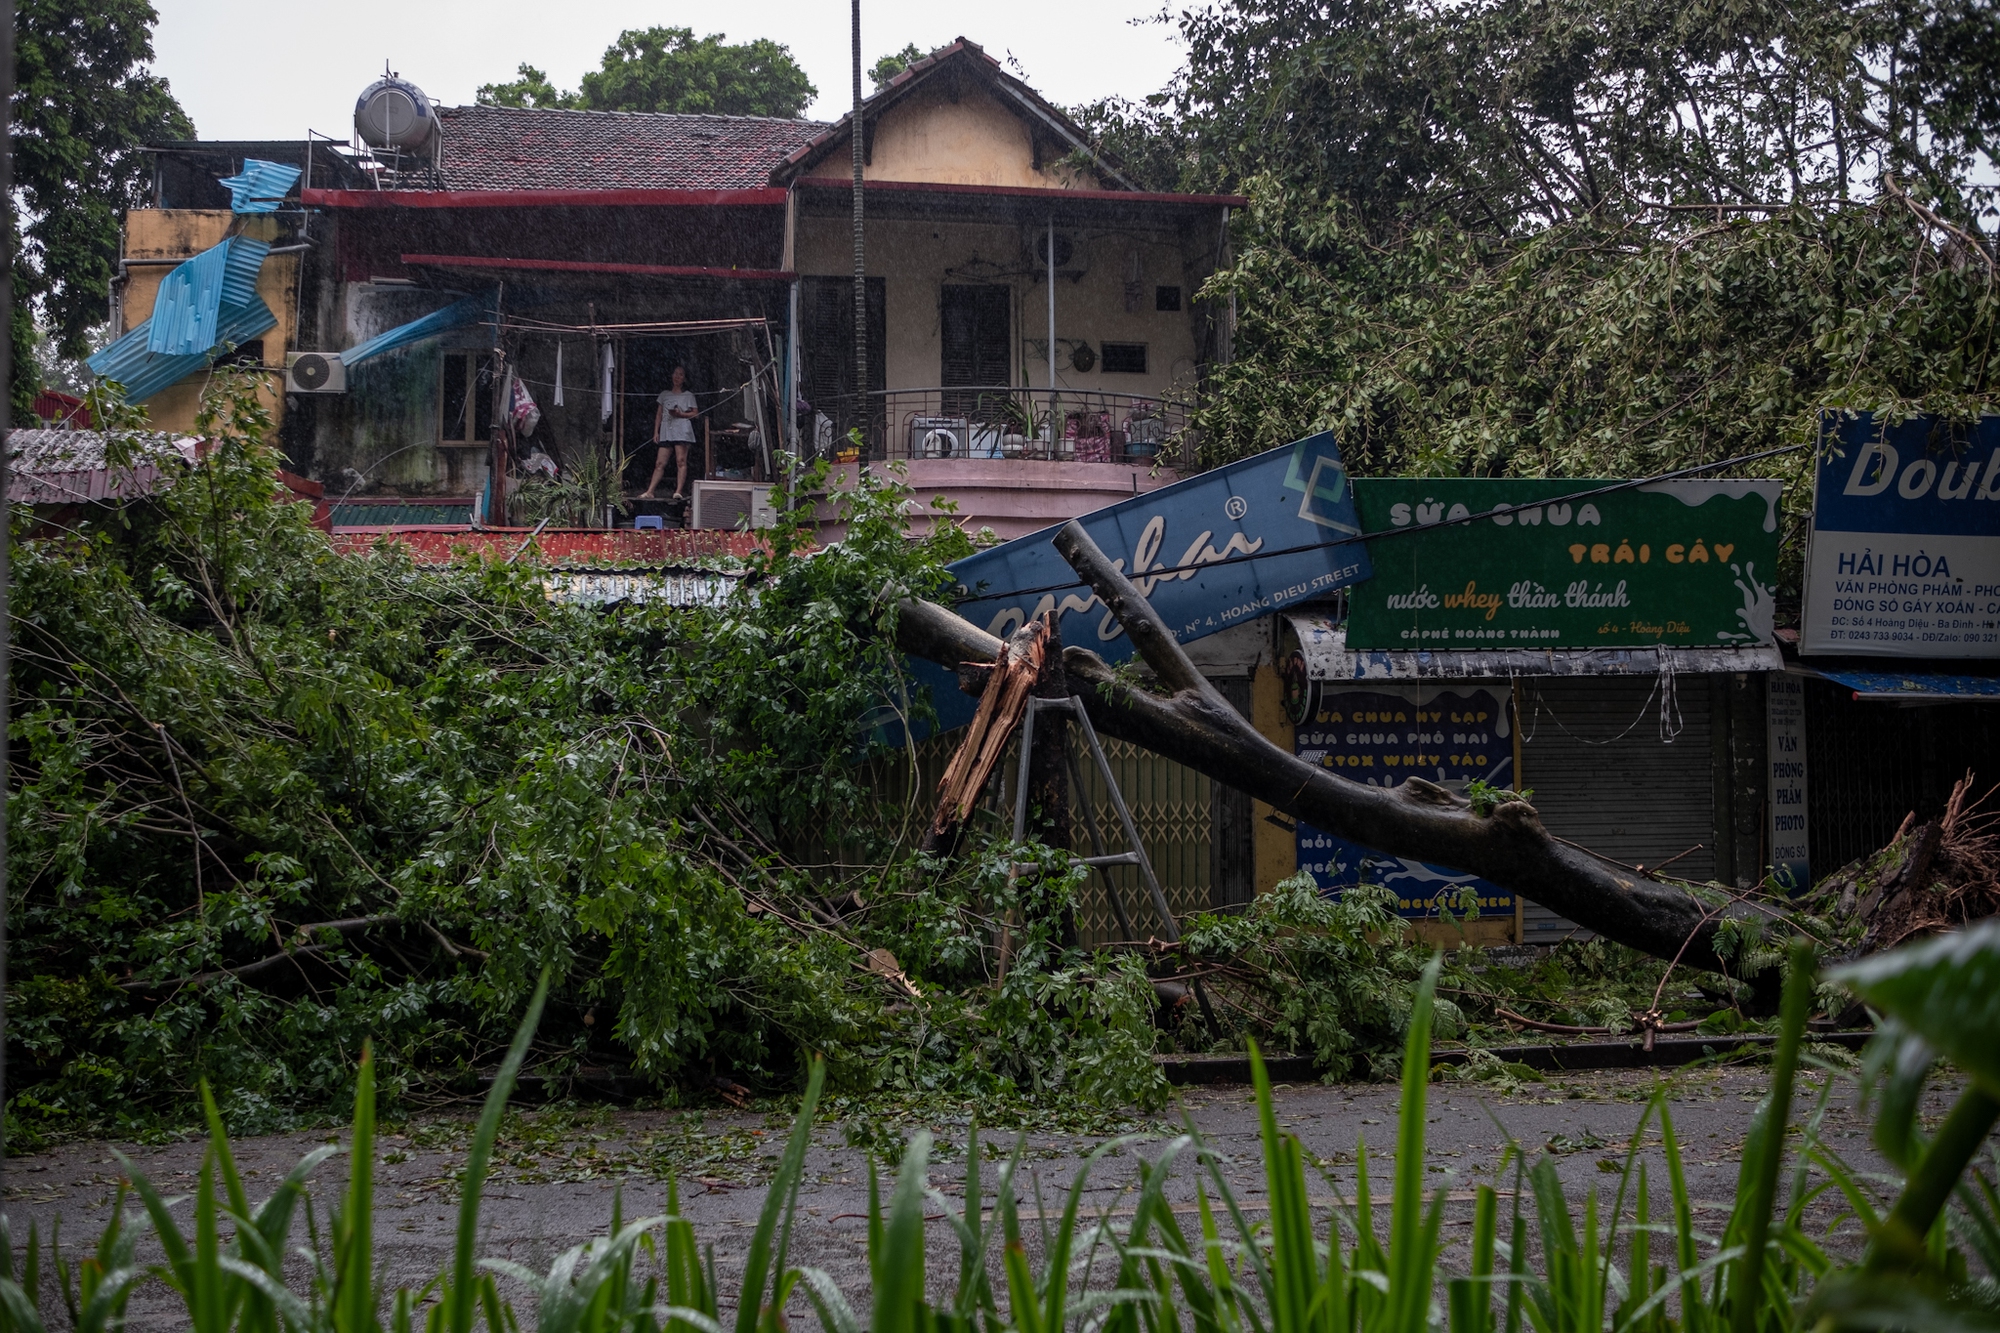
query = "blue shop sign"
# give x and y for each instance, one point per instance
(1289, 511)
(1384, 738)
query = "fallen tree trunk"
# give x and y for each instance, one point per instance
(1195, 726)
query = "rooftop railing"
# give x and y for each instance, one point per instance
(1003, 423)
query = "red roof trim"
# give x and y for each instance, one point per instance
(1031, 192)
(588, 266)
(763, 196)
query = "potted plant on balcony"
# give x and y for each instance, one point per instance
(1017, 424)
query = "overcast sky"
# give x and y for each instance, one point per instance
(249, 70)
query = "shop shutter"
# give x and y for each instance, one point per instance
(1634, 799)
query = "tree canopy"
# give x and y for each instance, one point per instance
(1572, 239)
(84, 103)
(670, 69)
(889, 66)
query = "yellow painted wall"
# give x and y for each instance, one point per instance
(156, 233)
(1274, 852)
(974, 141)
(912, 258)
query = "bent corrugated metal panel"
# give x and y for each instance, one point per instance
(192, 297)
(144, 373)
(188, 304)
(471, 310)
(240, 270)
(261, 187)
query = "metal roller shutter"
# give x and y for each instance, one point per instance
(1628, 796)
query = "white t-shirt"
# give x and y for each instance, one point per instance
(677, 430)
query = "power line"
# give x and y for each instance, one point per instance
(1165, 570)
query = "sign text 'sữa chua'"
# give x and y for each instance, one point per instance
(1681, 563)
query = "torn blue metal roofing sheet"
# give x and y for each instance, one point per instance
(144, 373)
(471, 310)
(1910, 686)
(208, 302)
(192, 297)
(261, 186)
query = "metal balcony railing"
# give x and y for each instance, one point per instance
(1003, 423)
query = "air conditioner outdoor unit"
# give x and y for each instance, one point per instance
(731, 505)
(314, 372)
(940, 437)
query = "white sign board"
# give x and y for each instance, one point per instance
(1904, 558)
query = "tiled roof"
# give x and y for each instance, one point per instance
(505, 148)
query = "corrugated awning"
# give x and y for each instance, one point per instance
(1908, 686)
(1324, 643)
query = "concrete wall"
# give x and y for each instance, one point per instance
(916, 258)
(176, 234)
(973, 139)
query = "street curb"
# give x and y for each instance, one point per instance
(1667, 1052)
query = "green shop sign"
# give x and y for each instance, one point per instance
(1686, 563)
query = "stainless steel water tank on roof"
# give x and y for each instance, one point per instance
(393, 114)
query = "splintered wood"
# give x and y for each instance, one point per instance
(1009, 681)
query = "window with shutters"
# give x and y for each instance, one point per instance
(826, 338)
(974, 327)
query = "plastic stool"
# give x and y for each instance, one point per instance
(645, 521)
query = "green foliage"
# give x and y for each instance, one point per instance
(889, 66)
(670, 69)
(1485, 797)
(1593, 348)
(1585, 239)
(1502, 116)
(1548, 1270)
(84, 102)
(1332, 977)
(530, 87)
(272, 800)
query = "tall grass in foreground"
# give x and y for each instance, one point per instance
(1633, 1261)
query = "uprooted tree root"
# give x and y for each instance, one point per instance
(1936, 876)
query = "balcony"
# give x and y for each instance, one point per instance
(992, 451)
(1009, 424)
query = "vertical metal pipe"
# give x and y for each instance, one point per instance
(791, 404)
(1053, 446)
(860, 255)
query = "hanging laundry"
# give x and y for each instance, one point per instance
(521, 407)
(558, 399)
(604, 405)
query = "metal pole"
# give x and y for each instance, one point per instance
(860, 255)
(1053, 446)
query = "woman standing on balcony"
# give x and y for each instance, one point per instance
(673, 431)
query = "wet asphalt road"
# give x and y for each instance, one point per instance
(555, 1183)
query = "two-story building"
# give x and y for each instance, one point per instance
(1033, 334)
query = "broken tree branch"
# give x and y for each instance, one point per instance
(1195, 726)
